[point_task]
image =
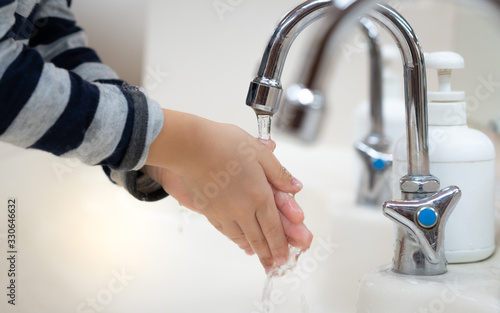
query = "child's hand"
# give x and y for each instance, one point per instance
(292, 218)
(291, 215)
(226, 172)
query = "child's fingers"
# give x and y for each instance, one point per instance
(288, 206)
(270, 223)
(277, 175)
(298, 234)
(233, 231)
(264, 232)
(258, 242)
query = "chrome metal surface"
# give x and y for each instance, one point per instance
(414, 78)
(304, 110)
(370, 31)
(414, 85)
(419, 249)
(340, 15)
(375, 184)
(265, 89)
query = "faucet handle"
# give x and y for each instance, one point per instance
(421, 231)
(375, 156)
(375, 184)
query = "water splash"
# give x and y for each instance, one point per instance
(278, 271)
(264, 124)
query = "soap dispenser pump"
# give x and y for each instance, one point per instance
(459, 156)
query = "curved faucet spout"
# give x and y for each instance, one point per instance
(415, 88)
(287, 30)
(265, 90)
(414, 77)
(375, 185)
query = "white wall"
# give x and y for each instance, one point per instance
(211, 57)
(478, 40)
(116, 30)
(197, 59)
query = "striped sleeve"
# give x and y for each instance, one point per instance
(60, 41)
(54, 109)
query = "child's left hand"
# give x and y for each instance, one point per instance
(292, 216)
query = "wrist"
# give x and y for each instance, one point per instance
(176, 141)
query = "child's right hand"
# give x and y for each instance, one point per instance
(291, 215)
(227, 173)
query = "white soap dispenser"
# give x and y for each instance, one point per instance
(459, 156)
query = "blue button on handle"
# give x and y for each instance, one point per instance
(378, 164)
(427, 217)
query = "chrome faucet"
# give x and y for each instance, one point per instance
(265, 90)
(375, 184)
(422, 214)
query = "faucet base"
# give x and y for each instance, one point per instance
(410, 260)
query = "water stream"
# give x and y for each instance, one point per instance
(264, 124)
(264, 128)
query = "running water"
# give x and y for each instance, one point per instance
(277, 272)
(264, 124)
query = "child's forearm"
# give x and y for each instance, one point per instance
(174, 144)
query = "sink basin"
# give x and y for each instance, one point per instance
(84, 245)
(468, 287)
(360, 236)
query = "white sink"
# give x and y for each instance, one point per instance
(84, 245)
(465, 288)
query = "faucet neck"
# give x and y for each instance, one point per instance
(415, 81)
(265, 90)
(376, 91)
(273, 60)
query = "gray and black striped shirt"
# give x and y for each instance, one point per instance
(57, 96)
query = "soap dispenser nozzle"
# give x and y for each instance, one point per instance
(445, 62)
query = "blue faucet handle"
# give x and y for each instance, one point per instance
(374, 186)
(374, 158)
(425, 219)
